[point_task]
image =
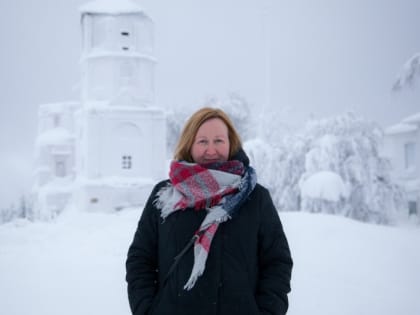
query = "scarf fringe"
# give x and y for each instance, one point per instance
(167, 201)
(215, 215)
(200, 257)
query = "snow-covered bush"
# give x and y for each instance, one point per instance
(323, 191)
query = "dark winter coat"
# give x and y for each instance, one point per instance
(248, 269)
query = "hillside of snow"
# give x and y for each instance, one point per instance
(75, 265)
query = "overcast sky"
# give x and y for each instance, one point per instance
(324, 57)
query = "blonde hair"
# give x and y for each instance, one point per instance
(186, 140)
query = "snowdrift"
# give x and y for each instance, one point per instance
(75, 265)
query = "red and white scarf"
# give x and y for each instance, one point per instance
(219, 187)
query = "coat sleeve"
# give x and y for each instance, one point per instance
(275, 262)
(141, 264)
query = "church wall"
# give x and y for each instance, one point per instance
(107, 77)
(114, 33)
(395, 151)
(123, 142)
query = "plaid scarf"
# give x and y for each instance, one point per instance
(220, 188)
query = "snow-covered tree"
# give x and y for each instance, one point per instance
(23, 211)
(408, 73)
(348, 145)
(7, 214)
(346, 148)
(265, 158)
(272, 125)
(175, 119)
(238, 109)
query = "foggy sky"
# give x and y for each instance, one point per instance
(324, 57)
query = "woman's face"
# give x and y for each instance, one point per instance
(211, 142)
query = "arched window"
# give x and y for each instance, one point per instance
(56, 120)
(60, 166)
(412, 208)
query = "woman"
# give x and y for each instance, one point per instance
(209, 240)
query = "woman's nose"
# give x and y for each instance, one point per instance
(211, 149)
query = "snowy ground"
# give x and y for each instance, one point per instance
(75, 265)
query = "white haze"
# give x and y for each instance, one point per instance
(323, 58)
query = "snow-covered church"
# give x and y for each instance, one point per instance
(104, 152)
(402, 147)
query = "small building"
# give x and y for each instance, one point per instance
(107, 150)
(402, 147)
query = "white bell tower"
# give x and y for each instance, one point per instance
(120, 135)
(117, 54)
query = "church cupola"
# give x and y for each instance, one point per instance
(117, 54)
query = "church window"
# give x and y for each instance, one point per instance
(56, 120)
(412, 207)
(126, 162)
(60, 170)
(126, 40)
(410, 154)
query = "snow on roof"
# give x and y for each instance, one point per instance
(104, 106)
(413, 119)
(411, 185)
(54, 136)
(111, 7)
(121, 54)
(324, 185)
(56, 108)
(117, 181)
(400, 128)
(58, 185)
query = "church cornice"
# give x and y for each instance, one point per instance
(118, 55)
(111, 7)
